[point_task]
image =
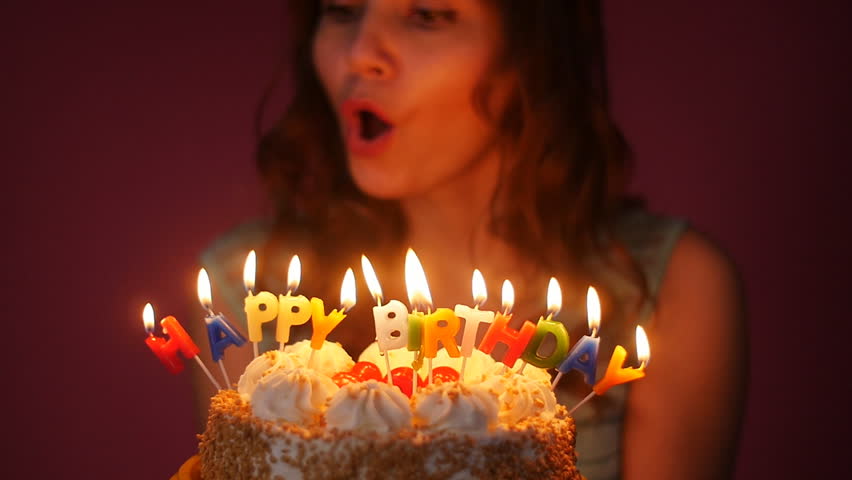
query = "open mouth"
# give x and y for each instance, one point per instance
(371, 126)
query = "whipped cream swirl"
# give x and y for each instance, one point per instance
(328, 360)
(456, 406)
(263, 365)
(521, 397)
(297, 395)
(369, 406)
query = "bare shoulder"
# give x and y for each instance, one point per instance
(700, 275)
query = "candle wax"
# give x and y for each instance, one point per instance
(291, 311)
(391, 325)
(516, 340)
(260, 309)
(323, 324)
(221, 333)
(440, 326)
(167, 350)
(544, 327)
(472, 318)
(615, 374)
(583, 358)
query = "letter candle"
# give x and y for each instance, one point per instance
(179, 340)
(500, 331)
(545, 326)
(584, 356)
(473, 317)
(260, 308)
(323, 324)
(292, 310)
(391, 320)
(220, 332)
(615, 373)
(418, 297)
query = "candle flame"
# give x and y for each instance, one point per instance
(643, 348)
(148, 318)
(593, 310)
(415, 282)
(508, 296)
(554, 298)
(249, 271)
(205, 297)
(372, 281)
(294, 274)
(347, 291)
(480, 292)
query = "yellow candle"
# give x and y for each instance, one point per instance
(260, 309)
(616, 374)
(323, 324)
(440, 326)
(291, 311)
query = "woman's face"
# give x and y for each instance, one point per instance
(400, 75)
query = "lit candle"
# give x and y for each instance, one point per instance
(500, 331)
(616, 374)
(473, 317)
(391, 320)
(419, 297)
(179, 341)
(220, 332)
(292, 310)
(323, 324)
(260, 308)
(547, 326)
(584, 356)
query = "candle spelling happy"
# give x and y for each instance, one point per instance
(260, 308)
(323, 324)
(220, 332)
(179, 341)
(292, 310)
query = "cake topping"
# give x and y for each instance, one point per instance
(297, 395)
(328, 360)
(457, 407)
(532, 372)
(263, 365)
(521, 397)
(370, 406)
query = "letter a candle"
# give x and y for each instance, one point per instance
(220, 332)
(179, 341)
(584, 356)
(616, 373)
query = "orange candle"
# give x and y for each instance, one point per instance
(440, 326)
(323, 324)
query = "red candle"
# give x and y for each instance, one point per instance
(167, 350)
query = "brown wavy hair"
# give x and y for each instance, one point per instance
(559, 195)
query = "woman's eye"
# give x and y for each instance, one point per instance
(431, 19)
(339, 12)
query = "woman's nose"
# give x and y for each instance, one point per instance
(369, 55)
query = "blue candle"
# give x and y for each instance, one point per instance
(222, 334)
(583, 358)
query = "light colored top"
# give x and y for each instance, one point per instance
(650, 240)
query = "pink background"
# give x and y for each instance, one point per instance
(127, 146)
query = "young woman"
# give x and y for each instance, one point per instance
(477, 132)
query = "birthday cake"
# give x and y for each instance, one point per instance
(293, 417)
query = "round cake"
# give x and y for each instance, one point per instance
(296, 415)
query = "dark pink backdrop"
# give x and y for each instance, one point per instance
(127, 142)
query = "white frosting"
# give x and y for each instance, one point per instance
(328, 360)
(520, 397)
(263, 365)
(477, 365)
(296, 395)
(400, 357)
(370, 406)
(457, 407)
(534, 373)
